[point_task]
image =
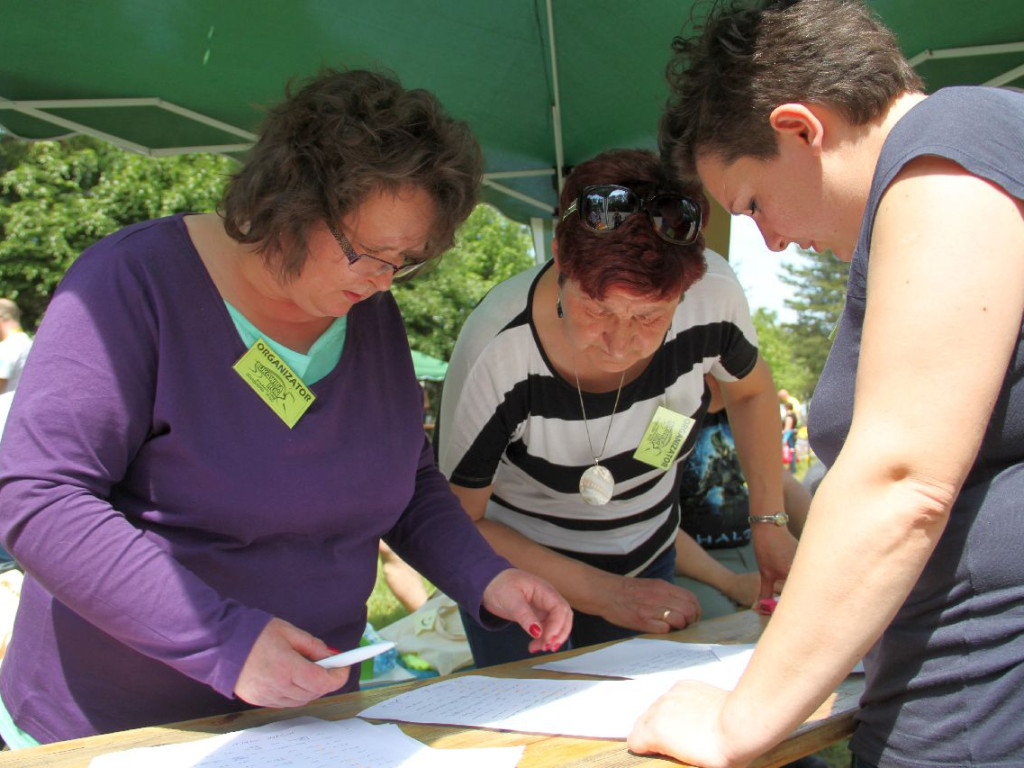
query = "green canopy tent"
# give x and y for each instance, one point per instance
(543, 83)
(428, 368)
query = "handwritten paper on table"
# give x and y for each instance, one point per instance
(642, 658)
(600, 709)
(308, 742)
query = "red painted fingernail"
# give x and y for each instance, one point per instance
(534, 630)
(334, 651)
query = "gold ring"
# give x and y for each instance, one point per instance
(664, 616)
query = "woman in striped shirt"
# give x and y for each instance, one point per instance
(577, 386)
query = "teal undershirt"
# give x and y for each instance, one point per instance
(321, 359)
(13, 736)
(310, 367)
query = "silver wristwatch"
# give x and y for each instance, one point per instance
(779, 518)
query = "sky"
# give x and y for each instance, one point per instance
(758, 268)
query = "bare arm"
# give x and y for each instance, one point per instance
(404, 581)
(917, 424)
(694, 562)
(754, 418)
(797, 501)
(636, 603)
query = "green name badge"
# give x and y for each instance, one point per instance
(275, 382)
(664, 437)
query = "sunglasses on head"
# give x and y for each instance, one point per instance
(603, 207)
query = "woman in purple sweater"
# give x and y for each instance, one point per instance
(220, 421)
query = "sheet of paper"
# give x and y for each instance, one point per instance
(603, 709)
(308, 742)
(642, 658)
(356, 655)
(719, 664)
(635, 658)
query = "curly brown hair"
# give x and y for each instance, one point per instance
(632, 255)
(324, 149)
(746, 58)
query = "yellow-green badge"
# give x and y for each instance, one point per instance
(664, 437)
(275, 382)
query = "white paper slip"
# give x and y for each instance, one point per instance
(308, 742)
(635, 658)
(356, 655)
(644, 659)
(599, 709)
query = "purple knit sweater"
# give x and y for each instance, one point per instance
(163, 513)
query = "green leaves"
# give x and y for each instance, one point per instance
(58, 198)
(797, 351)
(488, 249)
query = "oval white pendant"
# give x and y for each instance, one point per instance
(597, 485)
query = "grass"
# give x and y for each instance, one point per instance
(837, 755)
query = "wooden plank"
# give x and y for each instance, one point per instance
(832, 722)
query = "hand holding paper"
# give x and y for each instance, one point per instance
(278, 673)
(355, 656)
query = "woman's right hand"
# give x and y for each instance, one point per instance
(743, 588)
(646, 605)
(279, 672)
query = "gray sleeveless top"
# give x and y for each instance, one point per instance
(945, 682)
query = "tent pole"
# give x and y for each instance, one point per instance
(541, 239)
(556, 108)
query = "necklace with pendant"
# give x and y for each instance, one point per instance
(597, 483)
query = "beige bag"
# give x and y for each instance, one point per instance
(435, 632)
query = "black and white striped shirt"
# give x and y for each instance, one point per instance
(508, 419)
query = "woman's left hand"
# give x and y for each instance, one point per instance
(685, 724)
(533, 604)
(774, 548)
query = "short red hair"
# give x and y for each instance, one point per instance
(633, 255)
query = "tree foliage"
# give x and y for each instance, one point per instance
(775, 344)
(489, 248)
(797, 351)
(819, 290)
(58, 198)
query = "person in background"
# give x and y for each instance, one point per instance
(787, 399)
(220, 420)
(806, 117)
(15, 345)
(428, 411)
(577, 386)
(714, 509)
(402, 579)
(789, 427)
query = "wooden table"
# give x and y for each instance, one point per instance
(831, 723)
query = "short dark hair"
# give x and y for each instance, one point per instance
(747, 58)
(631, 255)
(326, 148)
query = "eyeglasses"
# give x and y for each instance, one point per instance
(370, 266)
(603, 207)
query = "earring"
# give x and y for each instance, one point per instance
(558, 308)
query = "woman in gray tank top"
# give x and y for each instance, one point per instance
(806, 117)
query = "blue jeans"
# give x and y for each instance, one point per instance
(856, 762)
(511, 643)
